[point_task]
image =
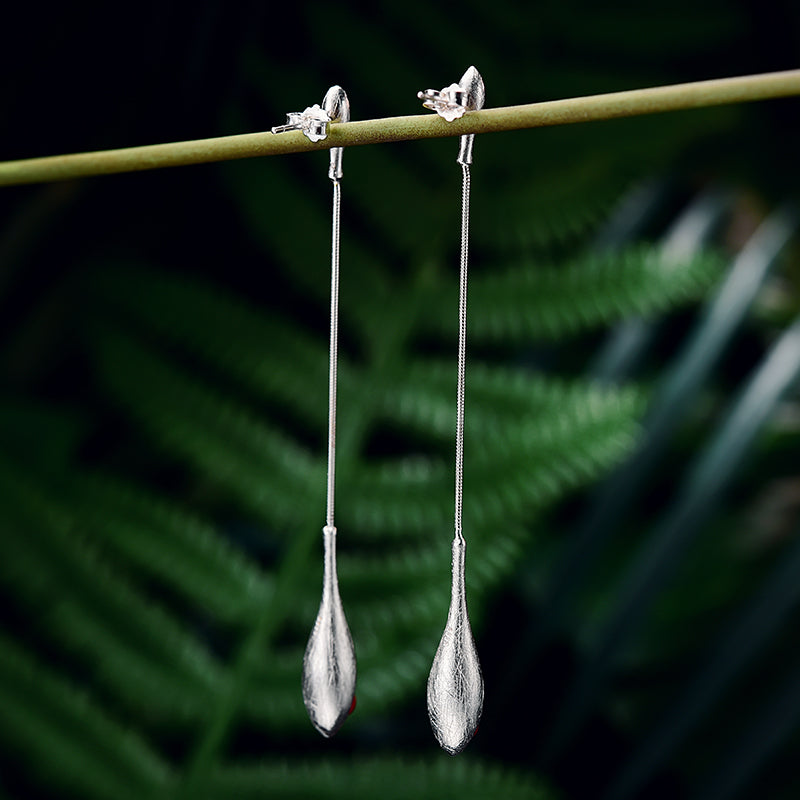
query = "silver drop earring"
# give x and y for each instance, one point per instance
(329, 663)
(455, 683)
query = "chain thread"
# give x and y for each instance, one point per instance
(462, 349)
(334, 351)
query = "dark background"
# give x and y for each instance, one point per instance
(97, 76)
(90, 77)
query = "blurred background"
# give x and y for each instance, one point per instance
(632, 490)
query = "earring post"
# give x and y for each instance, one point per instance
(615, 105)
(284, 128)
(455, 682)
(329, 662)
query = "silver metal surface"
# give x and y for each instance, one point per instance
(452, 102)
(337, 105)
(455, 683)
(333, 359)
(329, 664)
(462, 351)
(475, 96)
(312, 121)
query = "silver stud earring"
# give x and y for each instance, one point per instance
(455, 683)
(329, 664)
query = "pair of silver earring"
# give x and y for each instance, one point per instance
(455, 683)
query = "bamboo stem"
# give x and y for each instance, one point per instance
(395, 129)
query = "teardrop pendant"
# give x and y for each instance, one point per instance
(455, 683)
(329, 664)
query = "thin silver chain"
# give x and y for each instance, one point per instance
(334, 352)
(462, 350)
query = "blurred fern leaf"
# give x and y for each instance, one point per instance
(171, 576)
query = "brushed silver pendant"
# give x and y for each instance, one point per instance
(455, 683)
(329, 664)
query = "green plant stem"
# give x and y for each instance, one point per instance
(395, 129)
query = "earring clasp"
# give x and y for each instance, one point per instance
(313, 122)
(450, 103)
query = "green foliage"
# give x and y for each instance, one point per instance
(73, 741)
(396, 778)
(161, 519)
(236, 397)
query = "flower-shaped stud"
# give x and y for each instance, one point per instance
(313, 122)
(449, 103)
(469, 94)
